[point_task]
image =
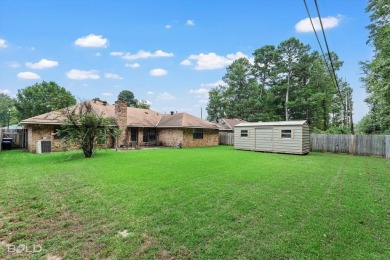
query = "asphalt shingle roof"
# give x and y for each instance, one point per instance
(136, 117)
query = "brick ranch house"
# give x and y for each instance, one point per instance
(140, 126)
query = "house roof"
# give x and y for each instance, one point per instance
(57, 117)
(229, 123)
(139, 117)
(184, 120)
(51, 118)
(136, 117)
(276, 123)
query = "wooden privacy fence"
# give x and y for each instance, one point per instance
(19, 137)
(226, 138)
(377, 145)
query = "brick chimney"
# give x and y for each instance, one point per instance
(121, 120)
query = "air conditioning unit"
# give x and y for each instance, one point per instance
(43, 146)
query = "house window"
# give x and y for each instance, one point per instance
(197, 133)
(286, 134)
(244, 133)
(57, 134)
(149, 135)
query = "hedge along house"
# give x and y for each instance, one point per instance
(141, 126)
(280, 137)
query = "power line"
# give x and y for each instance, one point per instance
(330, 57)
(319, 43)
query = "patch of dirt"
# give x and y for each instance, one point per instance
(163, 255)
(147, 243)
(53, 257)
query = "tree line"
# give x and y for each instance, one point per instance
(284, 82)
(376, 73)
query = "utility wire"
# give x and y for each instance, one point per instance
(319, 43)
(330, 57)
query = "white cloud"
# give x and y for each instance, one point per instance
(13, 64)
(165, 96)
(107, 94)
(186, 63)
(132, 65)
(212, 61)
(150, 92)
(146, 55)
(201, 91)
(148, 102)
(4, 91)
(3, 43)
(214, 84)
(158, 72)
(28, 75)
(168, 26)
(329, 22)
(42, 64)
(98, 54)
(92, 40)
(190, 22)
(112, 76)
(82, 74)
(116, 53)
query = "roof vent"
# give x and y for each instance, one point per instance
(104, 103)
(172, 112)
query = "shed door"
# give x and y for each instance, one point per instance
(264, 139)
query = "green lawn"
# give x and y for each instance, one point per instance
(207, 203)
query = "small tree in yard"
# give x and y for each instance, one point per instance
(84, 127)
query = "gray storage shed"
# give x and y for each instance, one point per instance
(280, 137)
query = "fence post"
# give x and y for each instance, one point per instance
(352, 145)
(387, 146)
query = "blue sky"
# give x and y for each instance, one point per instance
(169, 53)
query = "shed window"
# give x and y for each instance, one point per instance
(197, 133)
(244, 133)
(286, 134)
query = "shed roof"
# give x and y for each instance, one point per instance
(276, 123)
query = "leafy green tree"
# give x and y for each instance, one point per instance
(377, 72)
(7, 110)
(367, 125)
(85, 127)
(283, 83)
(293, 55)
(265, 61)
(242, 87)
(128, 96)
(41, 98)
(216, 106)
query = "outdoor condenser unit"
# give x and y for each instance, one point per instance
(43, 146)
